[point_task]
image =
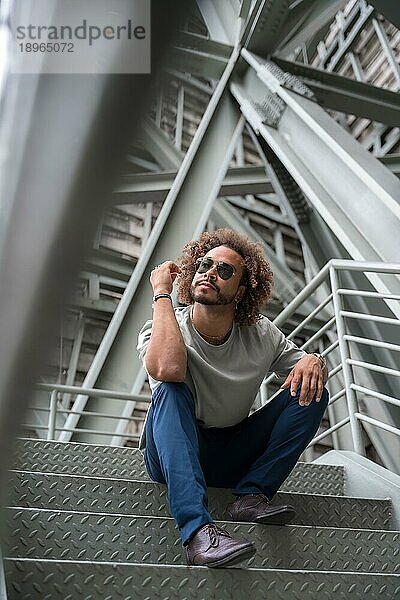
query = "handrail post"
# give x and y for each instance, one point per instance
(52, 415)
(352, 404)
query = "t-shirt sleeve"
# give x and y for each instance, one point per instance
(143, 339)
(287, 354)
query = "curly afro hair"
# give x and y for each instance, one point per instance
(257, 277)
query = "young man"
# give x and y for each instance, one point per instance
(205, 363)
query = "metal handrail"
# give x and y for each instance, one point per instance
(347, 363)
(53, 410)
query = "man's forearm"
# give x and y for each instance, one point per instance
(166, 357)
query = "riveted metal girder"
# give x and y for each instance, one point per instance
(127, 463)
(88, 494)
(330, 167)
(346, 95)
(183, 216)
(124, 581)
(46, 534)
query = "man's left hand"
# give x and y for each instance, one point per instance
(308, 373)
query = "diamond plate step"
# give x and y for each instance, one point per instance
(45, 534)
(62, 492)
(50, 580)
(127, 463)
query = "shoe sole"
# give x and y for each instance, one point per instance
(280, 516)
(234, 558)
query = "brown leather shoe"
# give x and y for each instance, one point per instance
(214, 547)
(256, 508)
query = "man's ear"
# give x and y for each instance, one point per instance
(240, 293)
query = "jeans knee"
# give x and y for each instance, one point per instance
(174, 393)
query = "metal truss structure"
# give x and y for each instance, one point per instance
(277, 118)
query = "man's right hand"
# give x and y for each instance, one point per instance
(163, 276)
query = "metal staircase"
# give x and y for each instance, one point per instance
(85, 521)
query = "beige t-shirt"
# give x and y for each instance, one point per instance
(225, 379)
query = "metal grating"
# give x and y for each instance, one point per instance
(46, 534)
(127, 463)
(108, 581)
(61, 492)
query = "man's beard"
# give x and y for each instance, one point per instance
(219, 300)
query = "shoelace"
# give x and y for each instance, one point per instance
(214, 531)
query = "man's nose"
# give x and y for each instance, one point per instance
(212, 271)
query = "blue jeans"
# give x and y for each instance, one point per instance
(255, 456)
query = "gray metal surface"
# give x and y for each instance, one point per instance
(62, 492)
(127, 463)
(49, 580)
(46, 534)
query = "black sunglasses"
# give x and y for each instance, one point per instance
(224, 270)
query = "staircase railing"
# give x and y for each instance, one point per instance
(56, 408)
(330, 329)
(334, 337)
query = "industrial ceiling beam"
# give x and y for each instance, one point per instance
(154, 187)
(200, 64)
(157, 142)
(263, 27)
(305, 20)
(330, 167)
(221, 20)
(346, 95)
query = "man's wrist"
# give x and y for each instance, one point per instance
(322, 360)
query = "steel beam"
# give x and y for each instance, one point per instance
(346, 95)
(304, 21)
(201, 64)
(255, 208)
(188, 204)
(179, 117)
(220, 18)
(157, 142)
(264, 25)
(154, 187)
(315, 150)
(190, 81)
